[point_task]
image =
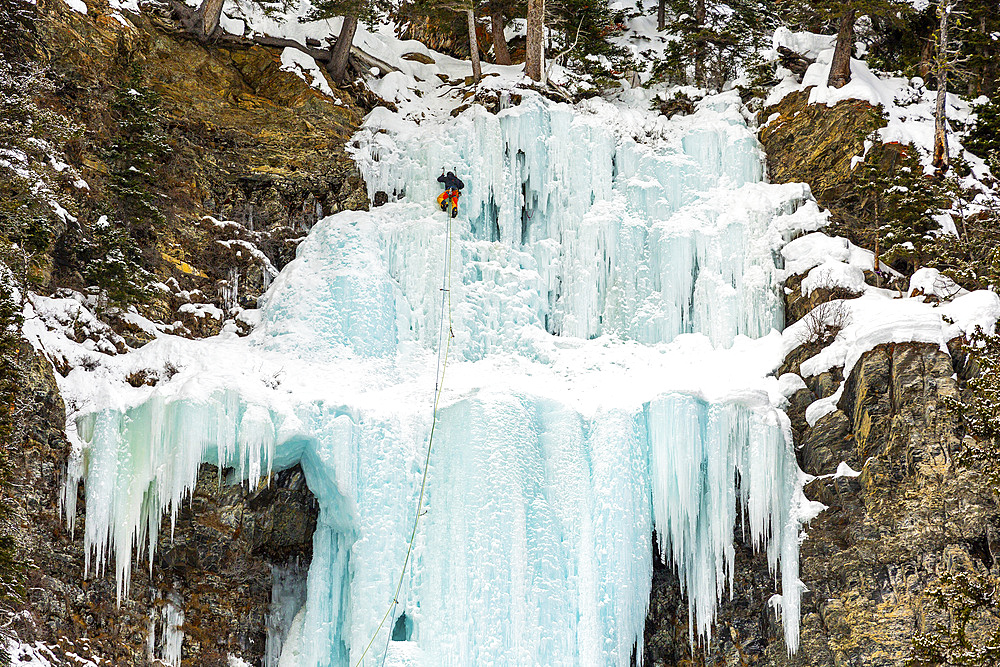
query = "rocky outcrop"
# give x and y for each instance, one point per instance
(818, 144)
(250, 145)
(746, 633)
(217, 568)
(815, 144)
(914, 514)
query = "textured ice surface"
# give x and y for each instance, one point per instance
(608, 269)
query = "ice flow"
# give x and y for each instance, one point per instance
(608, 272)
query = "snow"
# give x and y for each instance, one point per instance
(864, 84)
(824, 406)
(806, 44)
(201, 310)
(834, 274)
(38, 654)
(932, 282)
(844, 470)
(304, 66)
(877, 317)
(77, 6)
(811, 250)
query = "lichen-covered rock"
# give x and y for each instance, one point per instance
(826, 444)
(217, 567)
(815, 144)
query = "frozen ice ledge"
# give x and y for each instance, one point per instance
(614, 284)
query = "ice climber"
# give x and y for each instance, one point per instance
(452, 184)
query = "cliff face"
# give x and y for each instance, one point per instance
(255, 145)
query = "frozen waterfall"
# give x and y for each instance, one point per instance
(615, 292)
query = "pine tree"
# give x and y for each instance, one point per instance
(901, 202)
(534, 50)
(499, 12)
(978, 22)
(984, 137)
(112, 262)
(718, 39)
(582, 28)
(135, 152)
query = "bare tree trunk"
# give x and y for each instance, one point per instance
(534, 49)
(342, 50)
(211, 14)
(878, 237)
(840, 66)
(699, 44)
(477, 70)
(500, 53)
(941, 161)
(661, 14)
(926, 65)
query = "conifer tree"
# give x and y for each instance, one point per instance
(902, 201)
(499, 11)
(717, 38)
(135, 152)
(109, 254)
(581, 29)
(979, 25)
(984, 138)
(113, 264)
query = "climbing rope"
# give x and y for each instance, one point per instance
(442, 366)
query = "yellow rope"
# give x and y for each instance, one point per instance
(430, 442)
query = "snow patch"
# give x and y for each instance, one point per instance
(77, 6)
(305, 67)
